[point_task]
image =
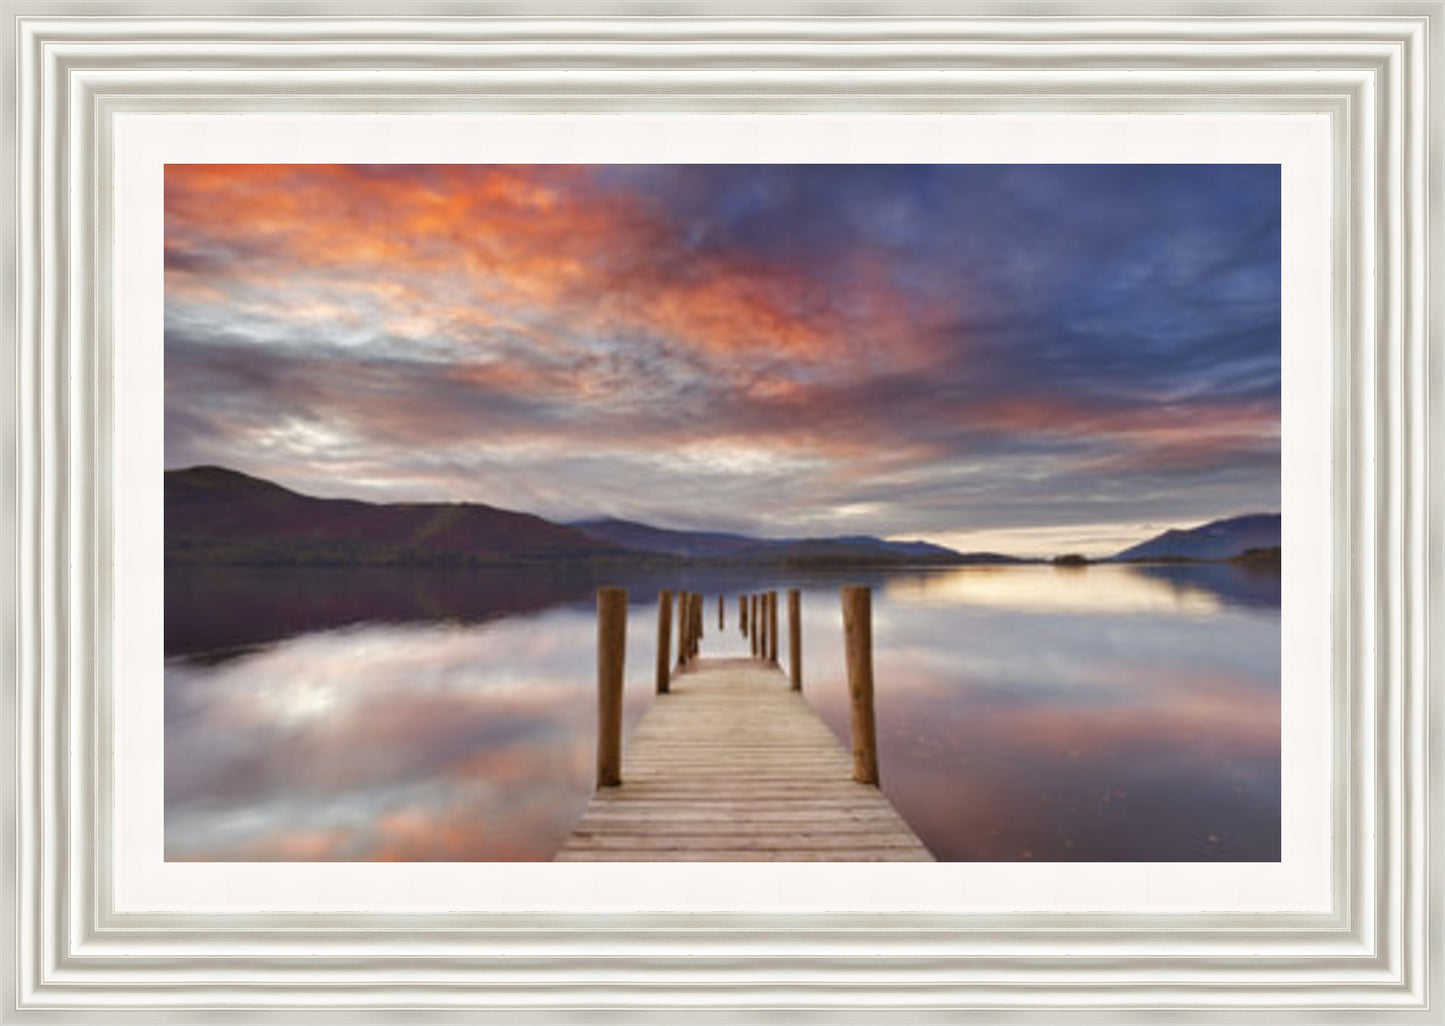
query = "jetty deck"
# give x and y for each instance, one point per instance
(731, 764)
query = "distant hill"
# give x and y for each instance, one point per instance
(646, 538)
(1218, 539)
(219, 516)
(858, 551)
(215, 515)
(716, 546)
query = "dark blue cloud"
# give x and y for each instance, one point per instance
(1144, 281)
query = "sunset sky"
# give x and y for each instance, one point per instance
(1033, 358)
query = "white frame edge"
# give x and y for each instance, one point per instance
(1378, 957)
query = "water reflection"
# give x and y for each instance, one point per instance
(1024, 713)
(263, 604)
(385, 742)
(1097, 715)
(1038, 589)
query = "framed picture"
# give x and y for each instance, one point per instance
(139, 142)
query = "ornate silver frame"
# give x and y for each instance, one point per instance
(1373, 69)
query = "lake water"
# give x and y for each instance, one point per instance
(1100, 714)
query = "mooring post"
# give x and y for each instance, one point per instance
(858, 640)
(690, 625)
(691, 621)
(773, 627)
(681, 627)
(664, 640)
(611, 654)
(743, 615)
(720, 614)
(795, 639)
(757, 625)
(696, 623)
(767, 645)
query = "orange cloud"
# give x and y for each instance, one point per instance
(474, 247)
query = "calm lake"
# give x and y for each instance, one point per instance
(1100, 714)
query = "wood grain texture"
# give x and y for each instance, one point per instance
(664, 640)
(733, 765)
(611, 659)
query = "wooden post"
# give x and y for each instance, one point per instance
(770, 646)
(773, 627)
(691, 626)
(664, 640)
(795, 639)
(686, 628)
(611, 654)
(681, 628)
(753, 619)
(858, 640)
(743, 615)
(720, 614)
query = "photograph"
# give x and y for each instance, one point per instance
(722, 512)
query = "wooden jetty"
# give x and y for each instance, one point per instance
(730, 763)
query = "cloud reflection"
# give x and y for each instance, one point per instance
(1114, 723)
(1109, 720)
(384, 742)
(1042, 589)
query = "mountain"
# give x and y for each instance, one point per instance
(1218, 539)
(220, 516)
(215, 515)
(646, 538)
(858, 550)
(740, 548)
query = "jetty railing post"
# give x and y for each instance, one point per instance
(664, 640)
(773, 627)
(858, 640)
(757, 625)
(795, 639)
(720, 623)
(743, 615)
(611, 655)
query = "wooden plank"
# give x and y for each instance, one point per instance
(733, 765)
